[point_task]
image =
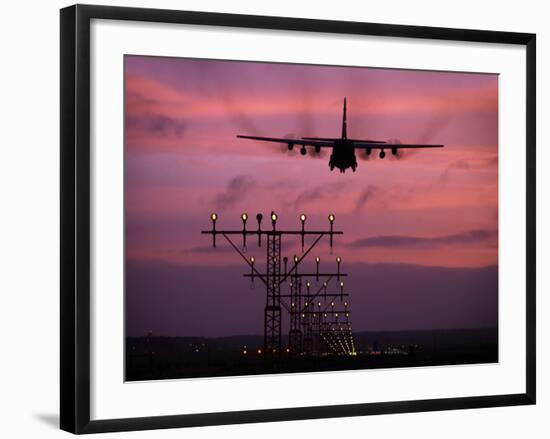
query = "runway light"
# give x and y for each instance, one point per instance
(303, 218)
(214, 218)
(244, 217)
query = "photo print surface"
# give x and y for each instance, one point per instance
(285, 218)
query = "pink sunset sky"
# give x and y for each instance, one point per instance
(431, 207)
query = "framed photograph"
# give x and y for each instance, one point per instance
(268, 218)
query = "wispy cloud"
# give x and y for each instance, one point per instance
(207, 249)
(366, 195)
(236, 189)
(318, 193)
(415, 242)
(157, 125)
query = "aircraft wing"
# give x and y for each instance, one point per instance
(339, 138)
(317, 143)
(362, 145)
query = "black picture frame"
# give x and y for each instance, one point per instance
(75, 217)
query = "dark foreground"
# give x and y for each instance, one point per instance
(153, 358)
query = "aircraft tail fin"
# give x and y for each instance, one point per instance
(344, 126)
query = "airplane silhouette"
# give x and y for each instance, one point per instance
(343, 148)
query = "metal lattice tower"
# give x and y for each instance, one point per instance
(272, 311)
(310, 328)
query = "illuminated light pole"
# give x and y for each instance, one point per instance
(214, 218)
(274, 218)
(252, 260)
(303, 218)
(317, 260)
(341, 291)
(285, 262)
(244, 218)
(259, 218)
(338, 261)
(331, 219)
(325, 289)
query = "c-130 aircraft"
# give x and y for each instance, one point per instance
(343, 148)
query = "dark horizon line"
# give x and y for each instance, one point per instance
(406, 264)
(354, 332)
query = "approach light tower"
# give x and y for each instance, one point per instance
(274, 276)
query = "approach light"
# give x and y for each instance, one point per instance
(317, 260)
(338, 259)
(244, 217)
(331, 218)
(252, 260)
(303, 217)
(296, 259)
(214, 217)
